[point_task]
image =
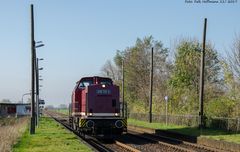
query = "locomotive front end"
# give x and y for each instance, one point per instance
(99, 108)
(103, 110)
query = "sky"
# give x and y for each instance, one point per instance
(80, 35)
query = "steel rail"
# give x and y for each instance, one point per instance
(125, 146)
(174, 147)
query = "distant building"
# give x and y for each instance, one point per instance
(15, 109)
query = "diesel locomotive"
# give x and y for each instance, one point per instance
(95, 108)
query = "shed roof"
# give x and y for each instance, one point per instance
(14, 103)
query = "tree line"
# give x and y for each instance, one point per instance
(177, 76)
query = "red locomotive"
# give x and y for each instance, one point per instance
(95, 107)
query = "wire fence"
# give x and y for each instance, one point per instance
(228, 124)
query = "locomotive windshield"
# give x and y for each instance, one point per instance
(85, 83)
(94, 80)
(106, 81)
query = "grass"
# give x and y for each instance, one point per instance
(64, 111)
(192, 131)
(235, 138)
(152, 125)
(8, 121)
(10, 130)
(50, 136)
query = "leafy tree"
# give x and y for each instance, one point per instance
(184, 81)
(137, 68)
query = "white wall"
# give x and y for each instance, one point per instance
(21, 110)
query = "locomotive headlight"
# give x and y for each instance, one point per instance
(103, 86)
(90, 114)
(119, 124)
(116, 114)
(90, 124)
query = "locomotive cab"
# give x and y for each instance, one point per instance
(95, 107)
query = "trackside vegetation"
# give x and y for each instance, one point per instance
(176, 74)
(191, 131)
(10, 130)
(50, 136)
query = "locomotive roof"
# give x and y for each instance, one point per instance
(94, 77)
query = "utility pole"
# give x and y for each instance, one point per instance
(151, 84)
(201, 90)
(33, 53)
(123, 88)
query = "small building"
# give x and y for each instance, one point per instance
(15, 109)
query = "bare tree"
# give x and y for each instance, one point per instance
(5, 101)
(234, 57)
(234, 72)
(110, 70)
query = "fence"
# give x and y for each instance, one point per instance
(229, 124)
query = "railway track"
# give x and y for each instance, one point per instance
(96, 145)
(136, 141)
(175, 145)
(173, 141)
(149, 145)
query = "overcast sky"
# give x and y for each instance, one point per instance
(79, 37)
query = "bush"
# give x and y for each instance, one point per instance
(220, 107)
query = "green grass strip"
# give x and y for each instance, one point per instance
(50, 136)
